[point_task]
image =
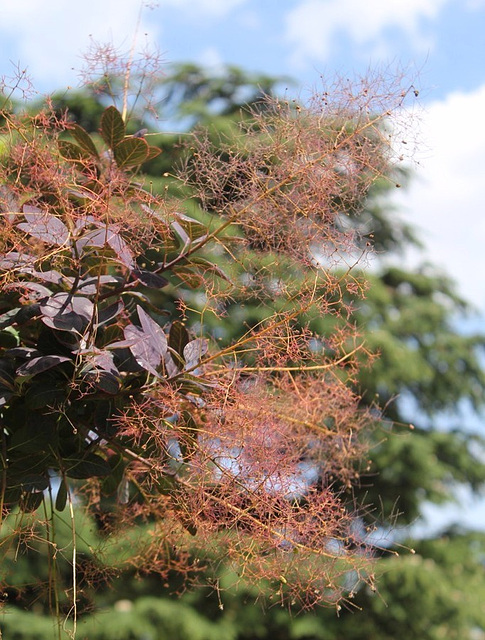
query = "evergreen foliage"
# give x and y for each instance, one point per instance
(408, 317)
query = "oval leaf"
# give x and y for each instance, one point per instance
(107, 236)
(131, 152)
(84, 140)
(104, 381)
(67, 313)
(112, 127)
(178, 337)
(153, 152)
(61, 498)
(89, 466)
(71, 151)
(44, 395)
(38, 365)
(148, 344)
(44, 226)
(153, 330)
(150, 279)
(194, 351)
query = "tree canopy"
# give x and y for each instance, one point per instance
(255, 281)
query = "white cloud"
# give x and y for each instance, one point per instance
(211, 58)
(51, 36)
(313, 25)
(216, 8)
(446, 200)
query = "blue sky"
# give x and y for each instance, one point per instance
(441, 43)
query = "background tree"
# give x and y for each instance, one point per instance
(409, 318)
(253, 445)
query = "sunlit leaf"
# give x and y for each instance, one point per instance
(112, 127)
(71, 151)
(107, 236)
(44, 226)
(194, 352)
(148, 344)
(84, 140)
(67, 313)
(153, 152)
(8, 318)
(131, 152)
(206, 266)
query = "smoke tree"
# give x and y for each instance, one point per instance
(115, 393)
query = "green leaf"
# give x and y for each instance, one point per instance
(205, 266)
(31, 501)
(104, 381)
(90, 465)
(61, 497)
(8, 339)
(8, 318)
(188, 276)
(34, 482)
(131, 152)
(178, 337)
(111, 483)
(112, 127)
(71, 151)
(153, 152)
(84, 140)
(43, 395)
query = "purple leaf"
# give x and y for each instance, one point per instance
(38, 291)
(67, 313)
(194, 351)
(104, 381)
(148, 343)
(27, 353)
(107, 236)
(44, 226)
(104, 375)
(108, 313)
(38, 365)
(150, 279)
(90, 285)
(51, 276)
(14, 260)
(153, 330)
(104, 360)
(143, 351)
